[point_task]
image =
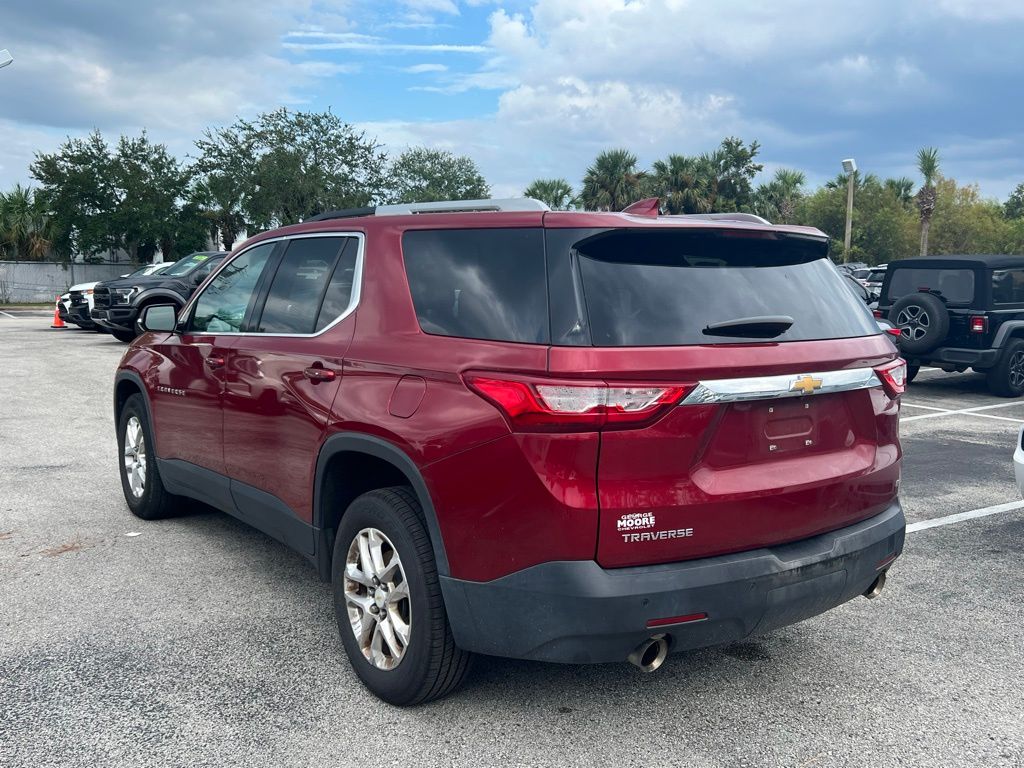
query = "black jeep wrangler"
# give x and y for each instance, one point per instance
(960, 312)
(118, 303)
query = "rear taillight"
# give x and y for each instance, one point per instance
(877, 313)
(979, 324)
(893, 377)
(546, 406)
(894, 332)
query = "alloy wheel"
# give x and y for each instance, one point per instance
(1017, 370)
(135, 457)
(913, 322)
(377, 599)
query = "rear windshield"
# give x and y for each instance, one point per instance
(660, 288)
(955, 285)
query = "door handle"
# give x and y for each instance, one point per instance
(214, 362)
(317, 373)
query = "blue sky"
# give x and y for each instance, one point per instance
(537, 87)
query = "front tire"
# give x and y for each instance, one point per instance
(143, 489)
(125, 336)
(1007, 378)
(387, 598)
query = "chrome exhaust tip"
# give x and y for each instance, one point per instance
(876, 587)
(650, 654)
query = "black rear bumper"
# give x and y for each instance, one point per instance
(974, 358)
(578, 612)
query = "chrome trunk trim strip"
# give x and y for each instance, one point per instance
(773, 387)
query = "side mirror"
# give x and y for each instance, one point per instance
(162, 318)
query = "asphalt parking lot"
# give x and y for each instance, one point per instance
(199, 641)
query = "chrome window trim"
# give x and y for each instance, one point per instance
(353, 302)
(773, 387)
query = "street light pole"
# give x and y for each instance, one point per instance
(850, 166)
(5, 58)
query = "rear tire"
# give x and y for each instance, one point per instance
(1007, 378)
(428, 665)
(144, 491)
(912, 370)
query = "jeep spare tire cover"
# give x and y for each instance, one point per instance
(923, 321)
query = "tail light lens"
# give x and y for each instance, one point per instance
(542, 406)
(893, 377)
(877, 313)
(979, 324)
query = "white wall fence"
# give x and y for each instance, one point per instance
(40, 281)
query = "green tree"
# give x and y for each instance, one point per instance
(130, 197)
(612, 182)
(1014, 206)
(902, 188)
(685, 184)
(422, 175)
(884, 228)
(734, 170)
(558, 194)
(284, 167)
(964, 222)
(26, 232)
(928, 167)
(777, 199)
(78, 194)
(151, 187)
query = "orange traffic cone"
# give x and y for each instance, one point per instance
(57, 322)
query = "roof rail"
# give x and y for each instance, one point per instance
(464, 206)
(346, 213)
(748, 217)
(443, 206)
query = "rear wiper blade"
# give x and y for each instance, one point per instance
(751, 327)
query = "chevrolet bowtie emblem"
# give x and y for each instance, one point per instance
(805, 384)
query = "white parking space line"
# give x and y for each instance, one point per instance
(926, 407)
(961, 516)
(5, 314)
(963, 411)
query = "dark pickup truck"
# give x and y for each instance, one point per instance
(118, 303)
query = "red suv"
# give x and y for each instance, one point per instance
(498, 429)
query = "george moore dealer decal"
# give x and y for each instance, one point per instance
(628, 525)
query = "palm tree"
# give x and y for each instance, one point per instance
(685, 184)
(557, 193)
(612, 182)
(25, 230)
(777, 199)
(928, 166)
(901, 188)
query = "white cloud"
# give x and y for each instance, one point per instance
(435, 6)
(987, 11)
(420, 69)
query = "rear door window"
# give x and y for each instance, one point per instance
(955, 285)
(479, 283)
(299, 285)
(665, 287)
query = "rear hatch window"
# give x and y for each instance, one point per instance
(955, 285)
(636, 287)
